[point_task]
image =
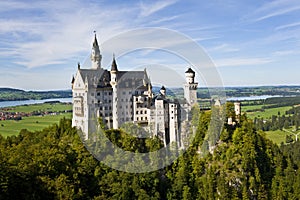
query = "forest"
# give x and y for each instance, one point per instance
(54, 164)
(11, 94)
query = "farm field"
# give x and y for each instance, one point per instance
(277, 136)
(32, 123)
(267, 113)
(54, 107)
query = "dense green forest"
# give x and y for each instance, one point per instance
(54, 164)
(10, 94)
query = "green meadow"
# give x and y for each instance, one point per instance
(54, 107)
(266, 113)
(34, 123)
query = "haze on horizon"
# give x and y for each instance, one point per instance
(251, 42)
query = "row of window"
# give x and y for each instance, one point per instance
(141, 112)
(78, 94)
(142, 118)
(105, 115)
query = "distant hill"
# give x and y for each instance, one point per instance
(12, 94)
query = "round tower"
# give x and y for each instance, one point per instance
(190, 76)
(114, 83)
(163, 91)
(190, 87)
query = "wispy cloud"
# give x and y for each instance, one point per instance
(273, 9)
(55, 37)
(238, 62)
(288, 26)
(151, 7)
(223, 48)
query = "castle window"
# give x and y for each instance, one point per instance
(109, 101)
(123, 92)
(172, 117)
(98, 94)
(105, 93)
(109, 93)
(137, 112)
(142, 118)
(109, 107)
(129, 92)
(141, 112)
(137, 119)
(145, 118)
(172, 111)
(92, 101)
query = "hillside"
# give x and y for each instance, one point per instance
(54, 164)
(12, 94)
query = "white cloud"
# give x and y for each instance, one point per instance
(288, 26)
(273, 9)
(223, 48)
(153, 7)
(232, 62)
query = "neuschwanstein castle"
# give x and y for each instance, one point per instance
(119, 97)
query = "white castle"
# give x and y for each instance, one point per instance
(119, 97)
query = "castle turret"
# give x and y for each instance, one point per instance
(162, 91)
(114, 82)
(237, 110)
(96, 56)
(190, 87)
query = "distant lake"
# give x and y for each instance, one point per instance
(261, 97)
(29, 102)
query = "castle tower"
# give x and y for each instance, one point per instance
(237, 109)
(162, 91)
(190, 87)
(96, 56)
(114, 82)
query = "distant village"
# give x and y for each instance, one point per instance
(9, 114)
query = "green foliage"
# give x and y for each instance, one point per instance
(54, 164)
(9, 94)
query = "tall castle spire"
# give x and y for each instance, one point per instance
(114, 66)
(96, 56)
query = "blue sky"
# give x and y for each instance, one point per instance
(250, 42)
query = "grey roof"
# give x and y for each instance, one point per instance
(114, 66)
(95, 43)
(190, 71)
(126, 79)
(104, 81)
(132, 79)
(91, 75)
